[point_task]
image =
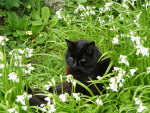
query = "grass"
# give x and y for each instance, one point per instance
(125, 21)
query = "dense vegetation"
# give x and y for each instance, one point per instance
(32, 48)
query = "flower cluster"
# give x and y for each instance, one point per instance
(63, 97)
(13, 110)
(148, 69)
(28, 32)
(138, 102)
(50, 84)
(59, 13)
(106, 7)
(3, 39)
(27, 68)
(69, 78)
(99, 101)
(18, 55)
(49, 107)
(13, 77)
(22, 99)
(101, 20)
(132, 71)
(115, 40)
(123, 60)
(118, 80)
(146, 4)
(139, 46)
(76, 96)
(84, 11)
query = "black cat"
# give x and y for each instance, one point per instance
(82, 59)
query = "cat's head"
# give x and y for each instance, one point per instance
(82, 55)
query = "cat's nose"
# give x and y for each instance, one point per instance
(74, 63)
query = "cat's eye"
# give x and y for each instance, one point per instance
(70, 57)
(82, 60)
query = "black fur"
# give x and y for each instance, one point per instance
(82, 58)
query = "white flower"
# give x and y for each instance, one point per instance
(79, 8)
(11, 110)
(118, 80)
(53, 81)
(99, 101)
(2, 66)
(148, 69)
(101, 10)
(17, 57)
(51, 108)
(123, 59)
(141, 108)
(28, 53)
(48, 99)
(58, 13)
(132, 71)
(21, 99)
(1, 74)
(63, 97)
(115, 40)
(69, 78)
(125, 6)
(21, 51)
(28, 32)
(137, 101)
(136, 39)
(116, 68)
(101, 21)
(113, 84)
(47, 86)
(76, 96)
(142, 50)
(43, 108)
(29, 68)
(13, 76)
(3, 39)
(107, 6)
(24, 108)
(99, 77)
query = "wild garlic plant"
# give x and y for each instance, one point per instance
(13, 73)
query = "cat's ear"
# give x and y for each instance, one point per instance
(90, 47)
(70, 43)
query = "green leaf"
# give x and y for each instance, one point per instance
(3, 107)
(24, 38)
(40, 40)
(35, 15)
(81, 1)
(13, 19)
(45, 14)
(37, 29)
(7, 32)
(125, 97)
(53, 21)
(24, 22)
(20, 32)
(4, 27)
(15, 34)
(37, 23)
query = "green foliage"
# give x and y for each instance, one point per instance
(101, 21)
(8, 4)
